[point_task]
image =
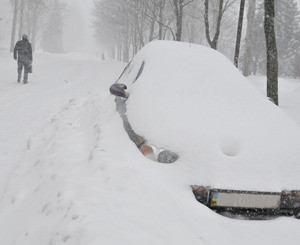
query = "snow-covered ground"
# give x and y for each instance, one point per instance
(69, 174)
(289, 94)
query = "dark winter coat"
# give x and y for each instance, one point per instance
(23, 51)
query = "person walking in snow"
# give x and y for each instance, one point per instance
(23, 52)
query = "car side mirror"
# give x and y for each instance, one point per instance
(118, 89)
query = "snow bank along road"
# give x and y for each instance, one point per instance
(70, 175)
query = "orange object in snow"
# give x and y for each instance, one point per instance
(146, 150)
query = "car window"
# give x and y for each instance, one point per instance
(140, 71)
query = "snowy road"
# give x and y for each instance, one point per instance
(70, 175)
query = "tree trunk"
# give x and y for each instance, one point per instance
(14, 25)
(113, 52)
(126, 48)
(213, 43)
(178, 8)
(134, 40)
(272, 61)
(28, 20)
(192, 33)
(152, 25)
(119, 56)
(160, 18)
(248, 56)
(21, 19)
(254, 65)
(33, 35)
(141, 36)
(239, 34)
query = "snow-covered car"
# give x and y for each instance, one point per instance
(193, 102)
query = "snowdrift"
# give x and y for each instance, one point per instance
(192, 100)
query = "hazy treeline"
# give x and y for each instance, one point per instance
(40, 20)
(287, 29)
(125, 26)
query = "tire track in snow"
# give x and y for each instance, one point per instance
(62, 149)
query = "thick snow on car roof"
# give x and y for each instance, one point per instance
(192, 100)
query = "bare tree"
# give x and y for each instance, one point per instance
(178, 10)
(272, 61)
(21, 20)
(161, 14)
(239, 33)
(15, 4)
(35, 10)
(248, 56)
(116, 27)
(126, 26)
(156, 9)
(213, 42)
(152, 8)
(137, 23)
(222, 7)
(29, 14)
(161, 6)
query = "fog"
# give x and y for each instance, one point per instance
(78, 33)
(5, 22)
(121, 34)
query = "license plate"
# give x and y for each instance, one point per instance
(245, 200)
